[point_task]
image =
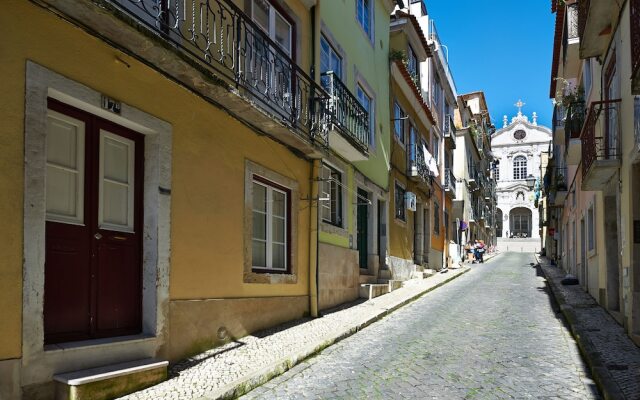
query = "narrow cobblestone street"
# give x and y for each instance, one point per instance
(492, 333)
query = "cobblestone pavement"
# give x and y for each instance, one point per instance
(492, 333)
(603, 338)
(249, 361)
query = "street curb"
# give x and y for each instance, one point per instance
(601, 375)
(262, 376)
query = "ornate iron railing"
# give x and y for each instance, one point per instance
(634, 17)
(449, 127)
(449, 180)
(583, 14)
(346, 111)
(559, 115)
(572, 21)
(574, 121)
(601, 133)
(418, 163)
(220, 37)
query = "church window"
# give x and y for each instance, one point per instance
(519, 134)
(520, 168)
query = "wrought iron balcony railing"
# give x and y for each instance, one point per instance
(574, 121)
(221, 38)
(601, 133)
(450, 131)
(634, 17)
(449, 180)
(572, 21)
(347, 114)
(417, 164)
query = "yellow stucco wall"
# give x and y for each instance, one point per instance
(209, 152)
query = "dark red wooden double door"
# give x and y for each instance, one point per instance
(93, 260)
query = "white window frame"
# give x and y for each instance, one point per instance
(78, 218)
(359, 6)
(517, 169)
(361, 90)
(271, 31)
(269, 228)
(326, 202)
(398, 114)
(335, 53)
(129, 227)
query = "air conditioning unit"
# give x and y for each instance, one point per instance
(410, 201)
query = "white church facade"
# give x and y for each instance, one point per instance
(517, 148)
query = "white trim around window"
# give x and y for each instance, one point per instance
(270, 227)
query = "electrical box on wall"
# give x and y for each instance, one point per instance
(410, 201)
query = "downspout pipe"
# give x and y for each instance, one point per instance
(315, 193)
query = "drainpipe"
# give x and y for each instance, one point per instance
(313, 239)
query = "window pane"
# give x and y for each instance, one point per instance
(279, 259)
(61, 191)
(62, 139)
(259, 226)
(116, 160)
(336, 64)
(115, 206)
(283, 33)
(259, 255)
(325, 55)
(278, 227)
(259, 197)
(261, 13)
(279, 203)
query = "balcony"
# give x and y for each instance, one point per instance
(349, 128)
(573, 126)
(472, 179)
(417, 169)
(597, 21)
(601, 144)
(449, 132)
(215, 50)
(559, 185)
(634, 16)
(559, 115)
(449, 182)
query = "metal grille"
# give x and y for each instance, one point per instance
(635, 38)
(572, 21)
(220, 37)
(346, 111)
(601, 134)
(449, 180)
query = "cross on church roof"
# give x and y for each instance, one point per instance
(519, 104)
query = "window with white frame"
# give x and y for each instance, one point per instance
(400, 210)
(398, 122)
(436, 147)
(331, 203)
(273, 23)
(364, 14)
(330, 60)
(270, 226)
(413, 66)
(366, 102)
(520, 167)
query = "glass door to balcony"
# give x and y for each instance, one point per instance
(612, 92)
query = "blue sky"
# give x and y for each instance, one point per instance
(501, 47)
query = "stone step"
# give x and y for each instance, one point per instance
(367, 279)
(110, 381)
(384, 274)
(371, 290)
(394, 284)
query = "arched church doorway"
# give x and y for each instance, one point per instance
(498, 223)
(520, 222)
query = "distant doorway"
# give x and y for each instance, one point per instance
(499, 223)
(520, 222)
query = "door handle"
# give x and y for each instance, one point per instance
(98, 236)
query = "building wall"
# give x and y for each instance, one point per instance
(210, 151)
